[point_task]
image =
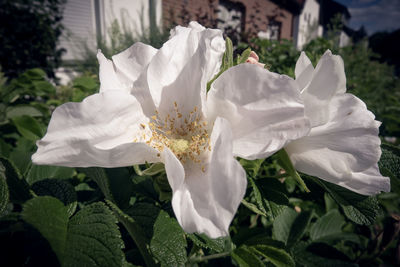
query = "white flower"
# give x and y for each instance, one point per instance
(343, 146)
(153, 107)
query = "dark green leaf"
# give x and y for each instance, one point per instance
(290, 226)
(40, 172)
(18, 188)
(277, 256)
(329, 224)
(358, 208)
(28, 127)
(93, 238)
(245, 257)
(90, 238)
(43, 88)
(50, 217)
(166, 237)
(303, 257)
(168, 244)
(4, 196)
(100, 177)
(202, 240)
(389, 165)
(59, 189)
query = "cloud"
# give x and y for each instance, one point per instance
(375, 15)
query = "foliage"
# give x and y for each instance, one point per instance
(61, 216)
(29, 33)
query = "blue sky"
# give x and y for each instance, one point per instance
(375, 15)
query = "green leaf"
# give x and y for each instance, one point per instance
(329, 224)
(202, 240)
(290, 226)
(40, 172)
(253, 208)
(100, 177)
(252, 167)
(168, 243)
(4, 196)
(90, 238)
(20, 110)
(227, 60)
(43, 88)
(389, 165)
(245, 257)
(277, 256)
(358, 208)
(28, 127)
(85, 83)
(35, 73)
(93, 238)
(244, 56)
(18, 188)
(59, 189)
(286, 163)
(49, 216)
(304, 257)
(166, 238)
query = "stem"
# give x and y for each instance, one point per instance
(210, 257)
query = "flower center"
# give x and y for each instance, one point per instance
(186, 136)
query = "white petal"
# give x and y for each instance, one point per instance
(348, 143)
(303, 71)
(181, 69)
(206, 202)
(328, 79)
(99, 131)
(133, 60)
(110, 78)
(264, 109)
(368, 182)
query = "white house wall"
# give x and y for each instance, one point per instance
(133, 15)
(79, 23)
(306, 25)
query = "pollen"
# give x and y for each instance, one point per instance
(186, 136)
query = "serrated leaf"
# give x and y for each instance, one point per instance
(276, 256)
(168, 243)
(329, 224)
(40, 172)
(203, 241)
(252, 167)
(389, 165)
(227, 60)
(245, 257)
(121, 186)
(28, 127)
(89, 238)
(59, 189)
(358, 208)
(93, 238)
(166, 238)
(244, 56)
(4, 196)
(18, 188)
